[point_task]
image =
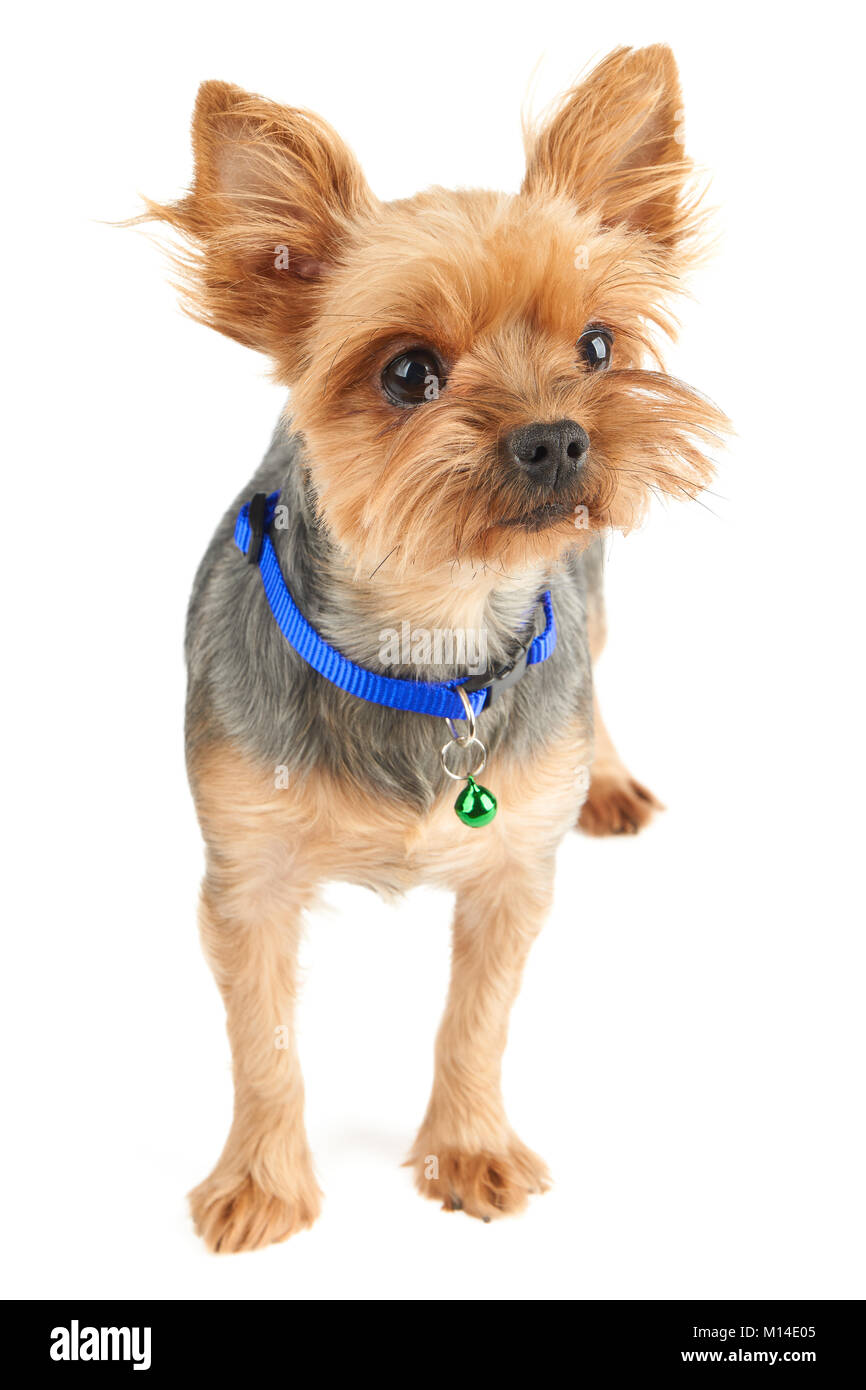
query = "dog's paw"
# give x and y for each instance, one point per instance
(232, 1214)
(616, 804)
(483, 1184)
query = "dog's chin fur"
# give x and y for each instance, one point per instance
(422, 514)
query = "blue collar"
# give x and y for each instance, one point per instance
(423, 697)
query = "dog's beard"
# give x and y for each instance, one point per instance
(433, 490)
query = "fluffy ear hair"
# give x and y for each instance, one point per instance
(614, 145)
(274, 197)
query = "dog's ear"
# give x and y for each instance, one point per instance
(274, 200)
(614, 145)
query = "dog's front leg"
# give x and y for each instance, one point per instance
(466, 1154)
(263, 1188)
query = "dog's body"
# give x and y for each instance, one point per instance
(450, 509)
(248, 685)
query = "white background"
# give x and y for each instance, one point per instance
(687, 1049)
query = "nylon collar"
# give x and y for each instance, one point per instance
(422, 697)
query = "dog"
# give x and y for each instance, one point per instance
(476, 401)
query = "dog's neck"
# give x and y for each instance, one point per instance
(421, 626)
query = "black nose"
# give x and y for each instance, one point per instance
(549, 452)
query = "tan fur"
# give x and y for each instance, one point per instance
(492, 282)
(616, 803)
(502, 288)
(268, 851)
(615, 142)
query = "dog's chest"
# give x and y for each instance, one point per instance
(318, 827)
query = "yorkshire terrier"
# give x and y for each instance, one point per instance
(476, 400)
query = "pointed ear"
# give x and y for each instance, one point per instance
(615, 145)
(274, 200)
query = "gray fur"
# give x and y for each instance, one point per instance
(246, 684)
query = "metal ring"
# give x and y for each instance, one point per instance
(462, 776)
(469, 737)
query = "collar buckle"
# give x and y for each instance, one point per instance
(257, 516)
(498, 679)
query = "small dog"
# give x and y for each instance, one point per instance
(476, 400)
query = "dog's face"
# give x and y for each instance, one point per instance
(468, 369)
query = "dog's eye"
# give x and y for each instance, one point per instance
(595, 346)
(413, 377)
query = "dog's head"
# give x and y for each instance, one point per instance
(470, 370)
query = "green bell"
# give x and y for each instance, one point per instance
(475, 805)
